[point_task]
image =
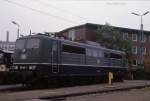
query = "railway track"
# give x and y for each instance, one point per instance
(20, 87)
(59, 94)
(64, 97)
(141, 94)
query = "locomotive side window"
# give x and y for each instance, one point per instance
(20, 44)
(106, 54)
(112, 55)
(88, 52)
(95, 53)
(73, 49)
(116, 56)
(33, 43)
(100, 53)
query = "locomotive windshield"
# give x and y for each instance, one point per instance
(33, 43)
(20, 44)
(27, 49)
(30, 43)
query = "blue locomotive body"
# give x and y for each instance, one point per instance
(40, 56)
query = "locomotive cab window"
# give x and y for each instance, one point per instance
(20, 44)
(33, 43)
(73, 49)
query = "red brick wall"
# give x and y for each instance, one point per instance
(80, 34)
(90, 34)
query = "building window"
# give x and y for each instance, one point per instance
(134, 50)
(71, 34)
(144, 50)
(134, 62)
(125, 35)
(134, 37)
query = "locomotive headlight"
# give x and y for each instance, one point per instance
(2, 68)
(32, 67)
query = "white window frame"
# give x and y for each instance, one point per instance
(71, 34)
(134, 52)
(133, 37)
(144, 39)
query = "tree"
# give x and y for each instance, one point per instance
(111, 37)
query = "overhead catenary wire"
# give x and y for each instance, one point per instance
(59, 9)
(40, 11)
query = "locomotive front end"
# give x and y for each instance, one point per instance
(26, 58)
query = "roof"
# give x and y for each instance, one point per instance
(96, 25)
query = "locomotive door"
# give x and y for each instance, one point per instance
(55, 67)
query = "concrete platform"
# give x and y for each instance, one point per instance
(72, 91)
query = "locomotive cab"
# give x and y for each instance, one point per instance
(36, 56)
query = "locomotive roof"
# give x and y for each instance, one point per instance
(41, 36)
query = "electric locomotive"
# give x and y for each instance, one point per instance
(40, 57)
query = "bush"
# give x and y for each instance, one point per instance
(141, 75)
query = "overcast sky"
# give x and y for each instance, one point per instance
(52, 16)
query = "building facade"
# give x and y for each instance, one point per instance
(87, 32)
(7, 45)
